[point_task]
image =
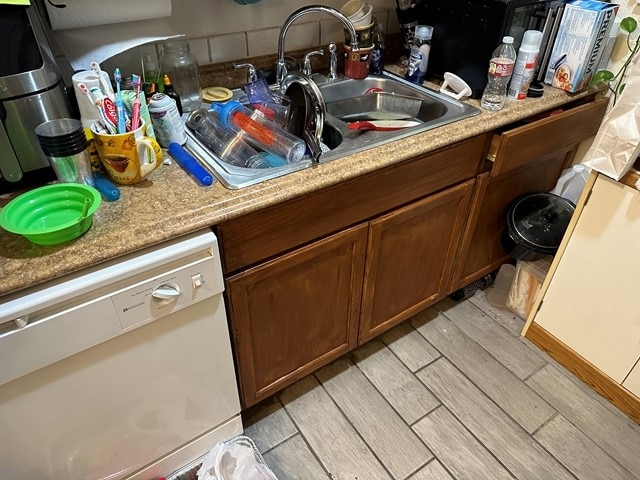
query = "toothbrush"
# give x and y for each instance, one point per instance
(122, 127)
(135, 112)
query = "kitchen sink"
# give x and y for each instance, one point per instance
(355, 100)
(380, 97)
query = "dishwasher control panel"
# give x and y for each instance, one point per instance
(167, 293)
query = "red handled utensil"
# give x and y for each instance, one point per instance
(382, 125)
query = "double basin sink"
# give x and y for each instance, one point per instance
(384, 97)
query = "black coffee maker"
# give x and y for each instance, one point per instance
(31, 92)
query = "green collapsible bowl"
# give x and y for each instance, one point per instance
(52, 214)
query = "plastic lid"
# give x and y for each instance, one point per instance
(579, 168)
(531, 39)
(224, 110)
(423, 32)
(538, 221)
(507, 39)
(216, 94)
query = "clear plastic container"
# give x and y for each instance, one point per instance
(497, 294)
(500, 70)
(182, 68)
(260, 131)
(227, 145)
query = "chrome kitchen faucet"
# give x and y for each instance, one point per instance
(281, 69)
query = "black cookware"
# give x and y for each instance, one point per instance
(535, 225)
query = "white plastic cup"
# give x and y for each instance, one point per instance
(365, 19)
(353, 9)
(497, 294)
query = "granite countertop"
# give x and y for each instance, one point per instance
(170, 204)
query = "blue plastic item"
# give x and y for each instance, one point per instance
(190, 164)
(107, 189)
(224, 110)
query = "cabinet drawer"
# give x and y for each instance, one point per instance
(548, 136)
(260, 235)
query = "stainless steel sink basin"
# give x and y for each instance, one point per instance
(376, 97)
(372, 98)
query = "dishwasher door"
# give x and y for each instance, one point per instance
(125, 371)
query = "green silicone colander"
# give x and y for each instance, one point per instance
(52, 214)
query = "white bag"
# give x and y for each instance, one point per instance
(617, 143)
(235, 459)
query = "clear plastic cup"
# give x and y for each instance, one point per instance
(229, 146)
(261, 132)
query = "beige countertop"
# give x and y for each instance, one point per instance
(170, 204)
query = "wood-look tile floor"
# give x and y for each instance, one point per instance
(452, 393)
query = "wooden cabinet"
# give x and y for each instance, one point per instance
(297, 312)
(299, 306)
(314, 276)
(528, 158)
(410, 257)
(547, 137)
(588, 316)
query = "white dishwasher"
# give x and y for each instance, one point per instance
(123, 370)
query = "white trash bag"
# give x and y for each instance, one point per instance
(235, 459)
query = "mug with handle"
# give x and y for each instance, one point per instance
(128, 157)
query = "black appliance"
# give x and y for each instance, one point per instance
(466, 32)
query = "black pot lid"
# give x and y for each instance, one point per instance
(539, 220)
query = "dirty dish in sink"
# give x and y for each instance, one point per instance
(375, 106)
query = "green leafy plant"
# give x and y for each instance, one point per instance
(615, 82)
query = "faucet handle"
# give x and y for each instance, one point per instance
(251, 71)
(333, 62)
(306, 67)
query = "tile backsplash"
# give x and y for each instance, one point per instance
(222, 30)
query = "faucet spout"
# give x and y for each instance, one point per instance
(281, 69)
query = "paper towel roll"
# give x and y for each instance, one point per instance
(86, 13)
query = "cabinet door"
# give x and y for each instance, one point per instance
(409, 258)
(296, 313)
(591, 303)
(481, 251)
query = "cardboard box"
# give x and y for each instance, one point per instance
(581, 39)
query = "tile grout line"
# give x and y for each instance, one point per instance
(358, 432)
